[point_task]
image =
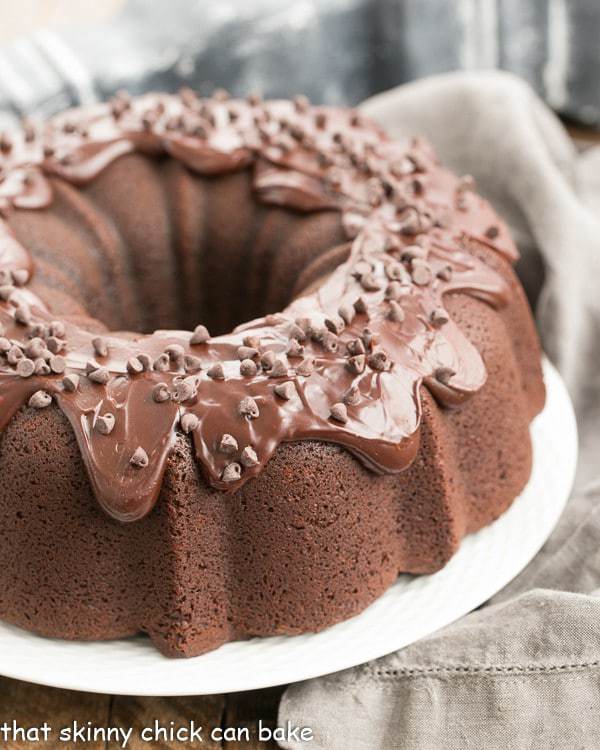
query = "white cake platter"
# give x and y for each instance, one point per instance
(412, 608)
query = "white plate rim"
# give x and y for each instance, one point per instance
(133, 667)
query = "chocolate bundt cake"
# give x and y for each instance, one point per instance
(201, 485)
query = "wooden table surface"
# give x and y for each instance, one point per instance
(32, 705)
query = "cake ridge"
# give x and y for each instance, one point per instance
(344, 364)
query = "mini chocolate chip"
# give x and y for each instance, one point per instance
(23, 315)
(185, 390)
(216, 371)
(6, 291)
(421, 272)
(39, 330)
(306, 367)
(357, 363)
(339, 413)
(378, 360)
(160, 393)
(352, 396)
(295, 349)
(57, 364)
(252, 341)
(369, 283)
(355, 346)
(90, 366)
(335, 325)
(492, 232)
(395, 271)
(360, 305)
(105, 423)
(439, 317)
(25, 367)
(411, 224)
(248, 457)
(267, 360)
(443, 374)
(20, 276)
(368, 338)
(146, 361)
(161, 363)
(248, 408)
(395, 312)
(285, 390)
(228, 444)
(316, 334)
(279, 369)
(232, 472)
(189, 422)
(247, 352)
(175, 353)
(199, 336)
(100, 346)
(100, 376)
(14, 354)
(41, 367)
(139, 459)
(248, 368)
(330, 342)
(57, 329)
(191, 363)
(410, 252)
(55, 345)
(134, 366)
(40, 400)
(296, 332)
(71, 382)
(347, 313)
(445, 273)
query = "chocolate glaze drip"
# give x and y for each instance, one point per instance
(344, 364)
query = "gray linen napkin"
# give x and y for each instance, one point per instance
(524, 671)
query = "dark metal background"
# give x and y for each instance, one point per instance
(333, 50)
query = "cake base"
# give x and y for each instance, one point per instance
(411, 609)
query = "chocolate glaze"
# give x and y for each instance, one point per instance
(408, 223)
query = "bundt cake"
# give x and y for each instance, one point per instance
(200, 485)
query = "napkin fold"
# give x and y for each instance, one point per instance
(523, 671)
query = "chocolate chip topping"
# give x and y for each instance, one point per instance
(249, 408)
(189, 422)
(100, 346)
(216, 372)
(100, 376)
(339, 413)
(285, 391)
(160, 393)
(40, 400)
(70, 382)
(248, 368)
(139, 458)
(104, 423)
(199, 336)
(228, 444)
(134, 366)
(248, 457)
(439, 317)
(232, 472)
(25, 367)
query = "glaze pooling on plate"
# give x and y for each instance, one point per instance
(344, 364)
